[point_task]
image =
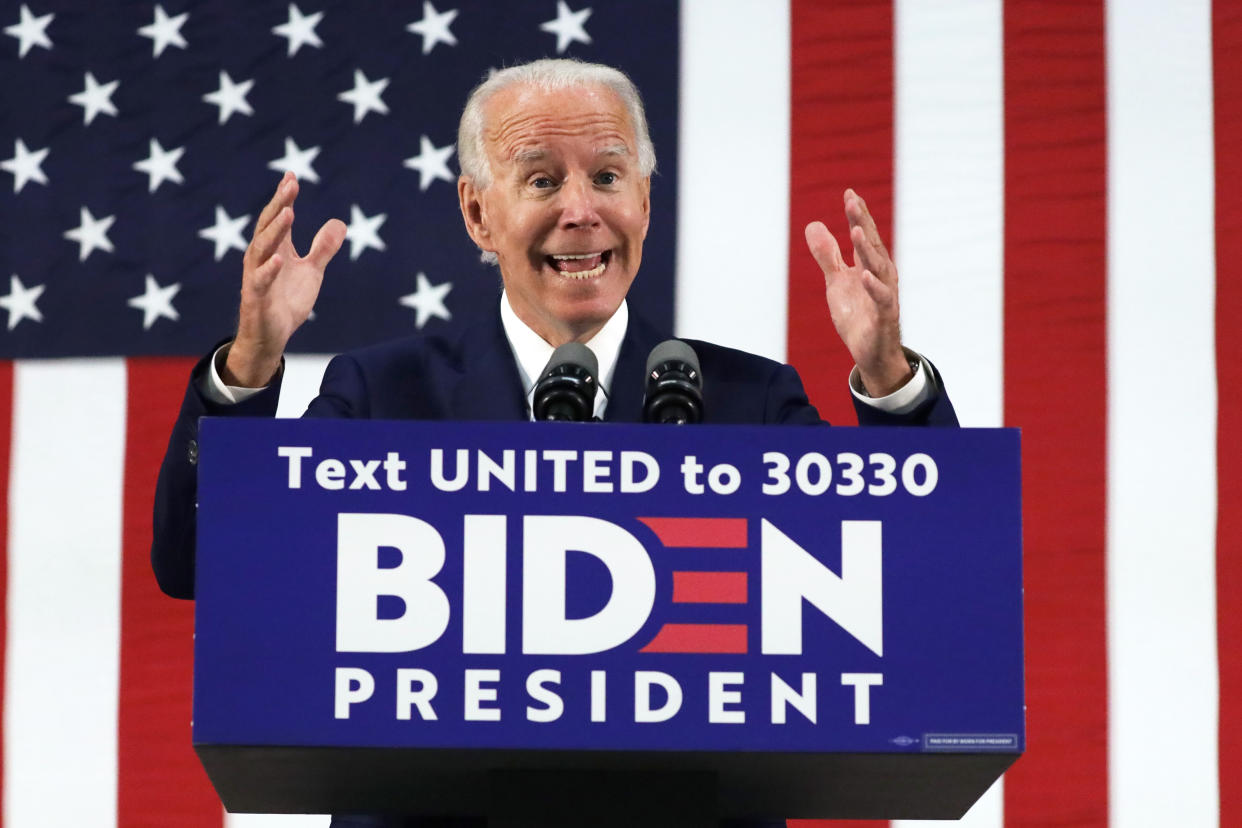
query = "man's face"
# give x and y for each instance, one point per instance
(567, 208)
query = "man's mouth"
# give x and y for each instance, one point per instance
(580, 265)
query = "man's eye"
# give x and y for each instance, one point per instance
(542, 182)
(606, 178)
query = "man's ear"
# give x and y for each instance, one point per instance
(472, 213)
(646, 204)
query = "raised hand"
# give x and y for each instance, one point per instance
(278, 288)
(862, 298)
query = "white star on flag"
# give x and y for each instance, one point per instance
(30, 31)
(298, 161)
(365, 96)
(300, 30)
(96, 98)
(431, 163)
(164, 31)
(363, 231)
(226, 233)
(428, 301)
(230, 97)
(20, 302)
(160, 165)
(568, 26)
(434, 27)
(156, 301)
(25, 165)
(91, 234)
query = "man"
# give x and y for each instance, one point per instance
(555, 188)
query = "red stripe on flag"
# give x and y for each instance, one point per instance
(160, 781)
(841, 135)
(709, 587)
(1227, 83)
(6, 453)
(1055, 349)
(699, 638)
(703, 533)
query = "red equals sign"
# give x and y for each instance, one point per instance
(702, 587)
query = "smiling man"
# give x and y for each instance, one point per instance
(561, 196)
(555, 189)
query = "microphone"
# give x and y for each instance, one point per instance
(674, 384)
(566, 388)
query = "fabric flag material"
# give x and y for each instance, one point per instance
(1057, 183)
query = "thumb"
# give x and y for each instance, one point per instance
(326, 243)
(824, 247)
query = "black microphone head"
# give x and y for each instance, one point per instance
(572, 353)
(674, 384)
(566, 388)
(672, 350)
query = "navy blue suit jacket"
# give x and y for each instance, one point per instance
(474, 377)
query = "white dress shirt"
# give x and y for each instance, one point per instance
(532, 353)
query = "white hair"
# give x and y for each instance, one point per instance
(547, 74)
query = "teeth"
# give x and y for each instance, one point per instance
(584, 274)
(581, 274)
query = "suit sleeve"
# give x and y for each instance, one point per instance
(936, 410)
(787, 404)
(341, 394)
(176, 491)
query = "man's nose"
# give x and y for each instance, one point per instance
(578, 205)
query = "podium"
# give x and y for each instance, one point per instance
(559, 624)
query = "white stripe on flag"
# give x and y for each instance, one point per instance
(62, 670)
(303, 373)
(1162, 417)
(733, 181)
(949, 195)
(948, 224)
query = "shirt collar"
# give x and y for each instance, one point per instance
(532, 353)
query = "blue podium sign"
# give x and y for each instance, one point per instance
(520, 595)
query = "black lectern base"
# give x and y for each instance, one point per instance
(562, 799)
(525, 788)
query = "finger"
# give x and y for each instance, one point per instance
(858, 215)
(266, 273)
(879, 292)
(824, 248)
(867, 256)
(286, 192)
(266, 243)
(326, 243)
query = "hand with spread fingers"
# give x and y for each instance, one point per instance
(862, 298)
(279, 288)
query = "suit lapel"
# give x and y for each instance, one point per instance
(625, 398)
(489, 387)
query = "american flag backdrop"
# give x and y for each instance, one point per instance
(1060, 182)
